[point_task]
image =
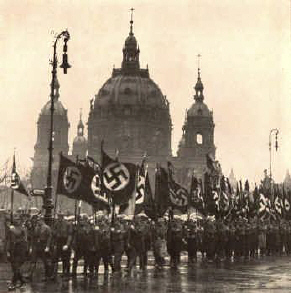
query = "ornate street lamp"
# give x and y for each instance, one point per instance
(48, 201)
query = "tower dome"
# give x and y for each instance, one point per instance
(130, 112)
(61, 127)
(58, 106)
(80, 141)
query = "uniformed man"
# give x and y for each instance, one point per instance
(119, 241)
(230, 245)
(80, 244)
(159, 234)
(262, 231)
(102, 227)
(62, 239)
(17, 250)
(190, 234)
(137, 241)
(41, 246)
(220, 239)
(253, 237)
(175, 240)
(209, 238)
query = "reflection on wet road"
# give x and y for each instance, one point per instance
(262, 275)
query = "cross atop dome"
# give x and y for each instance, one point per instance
(131, 22)
(199, 85)
(130, 63)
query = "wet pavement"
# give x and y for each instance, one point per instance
(270, 274)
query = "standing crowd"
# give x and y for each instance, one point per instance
(103, 238)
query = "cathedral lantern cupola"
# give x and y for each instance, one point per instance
(131, 51)
(199, 89)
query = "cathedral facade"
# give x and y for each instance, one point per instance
(131, 115)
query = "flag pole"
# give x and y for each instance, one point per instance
(12, 204)
(76, 210)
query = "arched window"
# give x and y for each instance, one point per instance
(199, 138)
(200, 112)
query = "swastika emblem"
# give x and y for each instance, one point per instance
(96, 185)
(116, 176)
(72, 179)
(140, 190)
(179, 197)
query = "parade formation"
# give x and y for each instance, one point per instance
(145, 203)
(212, 221)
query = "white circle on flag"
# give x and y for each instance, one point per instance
(14, 181)
(96, 185)
(116, 176)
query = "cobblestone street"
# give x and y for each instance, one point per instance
(268, 275)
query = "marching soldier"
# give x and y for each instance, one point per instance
(190, 232)
(104, 242)
(137, 241)
(159, 233)
(220, 239)
(62, 237)
(277, 238)
(16, 250)
(41, 246)
(175, 240)
(209, 239)
(80, 244)
(262, 228)
(253, 237)
(288, 244)
(119, 240)
(230, 245)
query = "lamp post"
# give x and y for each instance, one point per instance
(48, 200)
(276, 132)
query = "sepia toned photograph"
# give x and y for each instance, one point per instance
(146, 146)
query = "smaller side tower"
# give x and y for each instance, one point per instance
(198, 134)
(60, 132)
(80, 142)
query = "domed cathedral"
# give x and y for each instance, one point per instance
(130, 113)
(80, 142)
(197, 139)
(60, 132)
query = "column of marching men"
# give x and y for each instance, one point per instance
(84, 243)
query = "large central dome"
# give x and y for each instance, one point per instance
(131, 90)
(130, 112)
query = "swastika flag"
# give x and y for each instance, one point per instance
(15, 182)
(144, 201)
(178, 195)
(81, 181)
(118, 179)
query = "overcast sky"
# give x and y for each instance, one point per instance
(245, 68)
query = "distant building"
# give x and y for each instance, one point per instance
(232, 180)
(80, 144)
(287, 181)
